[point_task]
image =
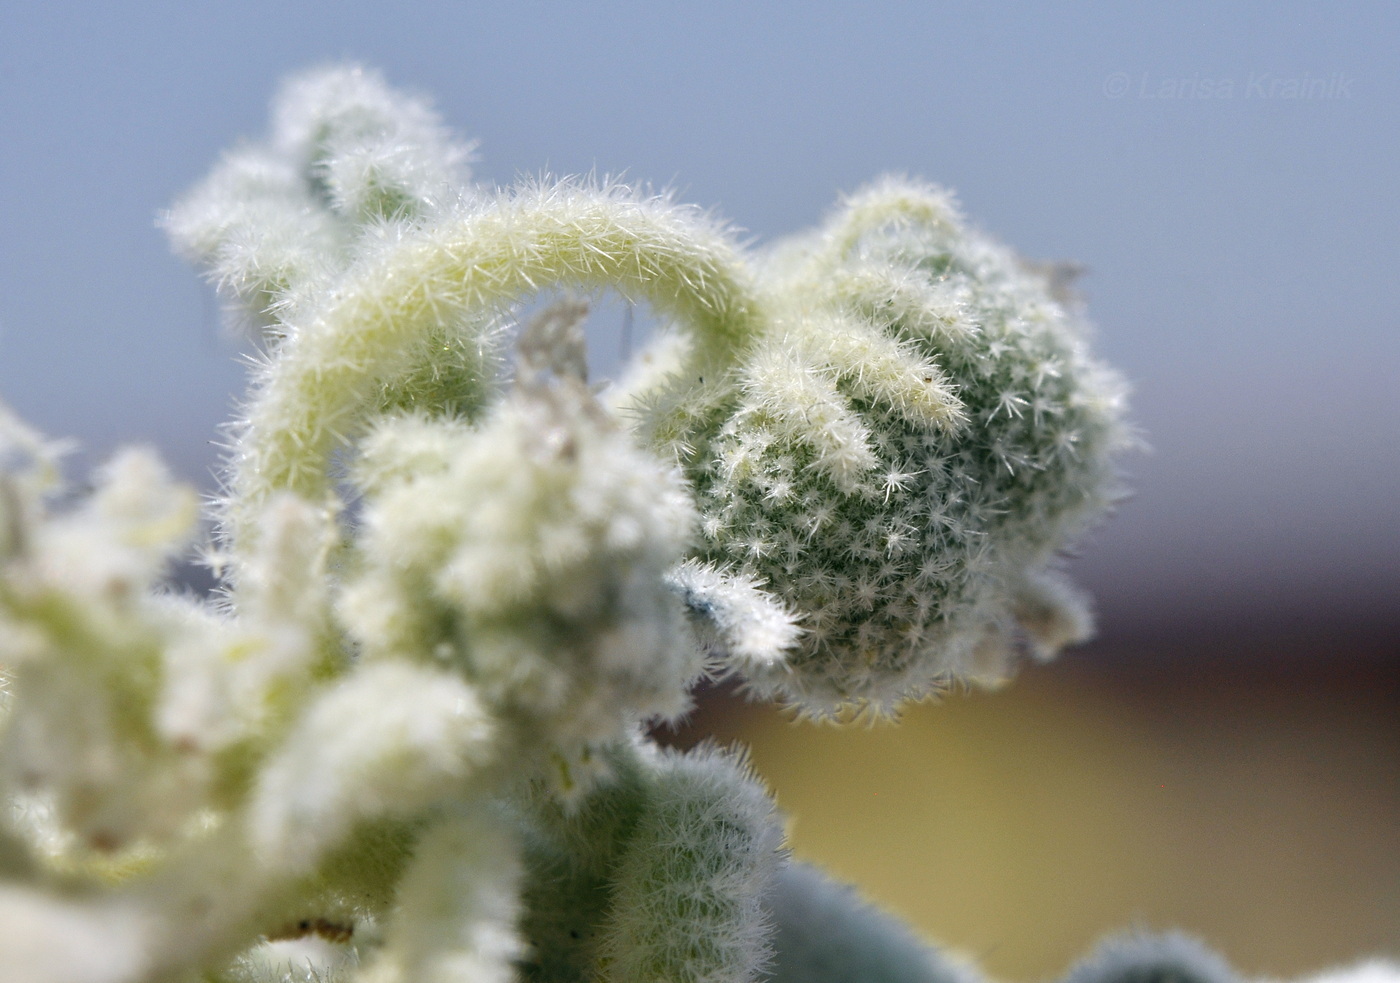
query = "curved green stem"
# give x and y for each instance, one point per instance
(317, 389)
(891, 199)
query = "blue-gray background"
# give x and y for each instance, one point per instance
(1242, 245)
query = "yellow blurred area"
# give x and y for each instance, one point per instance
(1255, 807)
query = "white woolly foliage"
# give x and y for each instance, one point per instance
(81, 632)
(308, 959)
(50, 939)
(370, 151)
(277, 222)
(529, 552)
(1366, 971)
(459, 906)
(262, 236)
(404, 741)
(749, 628)
(388, 740)
(28, 472)
(231, 680)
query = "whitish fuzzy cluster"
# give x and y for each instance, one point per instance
(349, 746)
(348, 162)
(529, 553)
(403, 742)
(79, 629)
(902, 455)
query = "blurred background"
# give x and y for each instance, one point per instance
(1226, 757)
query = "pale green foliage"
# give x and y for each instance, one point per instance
(659, 874)
(1142, 958)
(903, 454)
(824, 931)
(1367, 971)
(405, 743)
(348, 162)
(458, 906)
(692, 877)
(80, 630)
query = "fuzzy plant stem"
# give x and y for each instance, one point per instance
(318, 384)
